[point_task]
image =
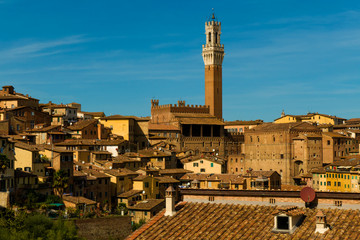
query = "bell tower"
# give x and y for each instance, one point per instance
(213, 55)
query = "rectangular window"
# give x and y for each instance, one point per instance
(146, 184)
(202, 170)
(195, 164)
(212, 164)
(329, 183)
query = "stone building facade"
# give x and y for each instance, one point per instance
(284, 147)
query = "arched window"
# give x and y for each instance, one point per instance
(216, 36)
(209, 36)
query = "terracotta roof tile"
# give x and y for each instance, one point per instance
(147, 204)
(90, 142)
(225, 221)
(225, 178)
(164, 127)
(269, 127)
(75, 200)
(129, 193)
(120, 172)
(167, 179)
(82, 124)
(240, 122)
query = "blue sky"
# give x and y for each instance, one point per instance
(115, 56)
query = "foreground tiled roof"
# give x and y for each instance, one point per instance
(225, 221)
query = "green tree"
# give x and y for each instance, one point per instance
(4, 162)
(60, 182)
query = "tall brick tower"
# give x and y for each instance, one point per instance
(213, 55)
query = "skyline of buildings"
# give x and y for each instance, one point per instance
(294, 58)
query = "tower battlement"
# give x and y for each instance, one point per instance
(181, 107)
(213, 23)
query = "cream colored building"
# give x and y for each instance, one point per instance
(206, 164)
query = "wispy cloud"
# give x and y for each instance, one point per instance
(40, 48)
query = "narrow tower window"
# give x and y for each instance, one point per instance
(216, 38)
(209, 36)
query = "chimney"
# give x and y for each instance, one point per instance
(321, 225)
(170, 201)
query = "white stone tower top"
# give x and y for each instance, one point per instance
(213, 50)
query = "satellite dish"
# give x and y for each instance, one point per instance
(307, 194)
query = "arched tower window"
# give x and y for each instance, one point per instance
(209, 36)
(216, 37)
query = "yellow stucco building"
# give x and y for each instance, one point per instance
(317, 118)
(337, 178)
(133, 129)
(149, 185)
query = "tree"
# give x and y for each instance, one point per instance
(60, 182)
(4, 162)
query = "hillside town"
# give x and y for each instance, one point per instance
(183, 166)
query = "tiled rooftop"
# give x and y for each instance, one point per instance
(147, 204)
(120, 172)
(82, 124)
(268, 127)
(90, 142)
(227, 178)
(167, 179)
(225, 221)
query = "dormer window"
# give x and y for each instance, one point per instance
(287, 219)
